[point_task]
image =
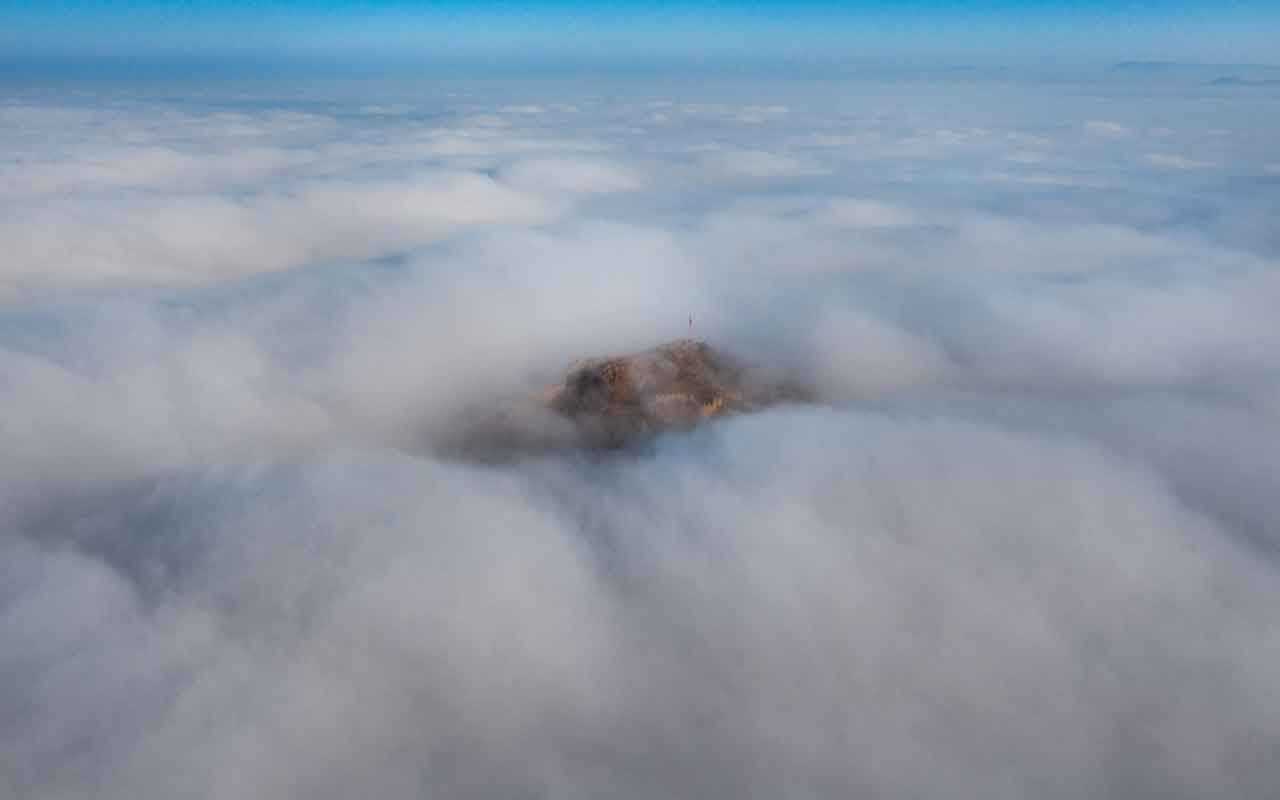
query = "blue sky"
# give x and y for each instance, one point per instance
(926, 32)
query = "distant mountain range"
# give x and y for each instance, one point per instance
(1213, 74)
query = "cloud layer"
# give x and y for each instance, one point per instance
(1027, 545)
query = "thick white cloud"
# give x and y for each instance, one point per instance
(1026, 544)
(1174, 161)
(185, 237)
(572, 175)
(1105, 128)
(756, 165)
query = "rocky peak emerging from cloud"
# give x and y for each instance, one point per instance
(674, 386)
(617, 400)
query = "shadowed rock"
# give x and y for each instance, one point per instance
(612, 402)
(672, 387)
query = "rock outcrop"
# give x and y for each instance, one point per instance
(616, 400)
(613, 402)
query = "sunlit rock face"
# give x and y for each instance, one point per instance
(620, 399)
(611, 402)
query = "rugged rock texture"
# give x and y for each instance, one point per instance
(608, 403)
(612, 401)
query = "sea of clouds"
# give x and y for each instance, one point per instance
(1028, 544)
